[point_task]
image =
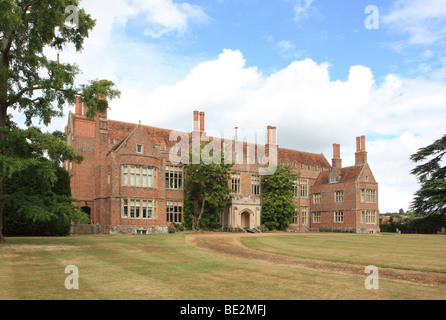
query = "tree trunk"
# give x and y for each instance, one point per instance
(3, 112)
(197, 210)
(201, 211)
(6, 45)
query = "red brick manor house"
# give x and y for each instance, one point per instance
(127, 183)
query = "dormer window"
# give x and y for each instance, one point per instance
(139, 148)
(334, 179)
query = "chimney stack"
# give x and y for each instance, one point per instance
(196, 121)
(78, 109)
(201, 122)
(361, 154)
(336, 161)
(271, 135)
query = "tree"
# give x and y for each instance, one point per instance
(206, 188)
(36, 187)
(32, 83)
(277, 193)
(38, 207)
(430, 199)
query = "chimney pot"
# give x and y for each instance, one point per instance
(361, 154)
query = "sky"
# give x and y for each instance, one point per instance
(321, 71)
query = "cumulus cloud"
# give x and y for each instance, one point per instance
(310, 110)
(165, 16)
(423, 21)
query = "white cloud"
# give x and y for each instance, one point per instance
(310, 110)
(424, 21)
(165, 16)
(303, 9)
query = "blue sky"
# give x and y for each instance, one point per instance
(309, 67)
(271, 34)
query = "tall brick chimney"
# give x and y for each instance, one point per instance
(78, 109)
(201, 122)
(271, 135)
(196, 121)
(336, 161)
(361, 154)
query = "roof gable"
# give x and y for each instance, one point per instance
(138, 136)
(346, 174)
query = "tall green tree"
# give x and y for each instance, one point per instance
(430, 199)
(277, 194)
(206, 187)
(32, 83)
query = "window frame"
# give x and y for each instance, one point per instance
(339, 196)
(255, 185)
(174, 177)
(317, 198)
(317, 217)
(132, 175)
(138, 208)
(174, 211)
(338, 216)
(236, 182)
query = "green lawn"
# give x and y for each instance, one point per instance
(165, 267)
(407, 252)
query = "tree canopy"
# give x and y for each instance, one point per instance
(430, 199)
(38, 87)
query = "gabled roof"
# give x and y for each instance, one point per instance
(347, 174)
(122, 130)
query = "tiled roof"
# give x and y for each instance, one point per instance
(295, 156)
(121, 130)
(347, 174)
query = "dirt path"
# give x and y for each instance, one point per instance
(229, 243)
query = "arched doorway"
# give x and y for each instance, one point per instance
(245, 220)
